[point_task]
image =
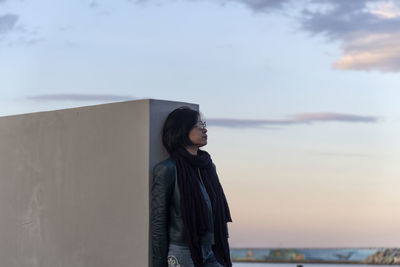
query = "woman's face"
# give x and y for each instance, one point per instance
(198, 134)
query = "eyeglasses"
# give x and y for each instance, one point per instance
(201, 125)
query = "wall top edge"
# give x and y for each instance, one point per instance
(154, 100)
(77, 108)
(150, 100)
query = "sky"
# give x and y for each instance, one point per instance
(300, 98)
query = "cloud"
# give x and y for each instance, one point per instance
(369, 31)
(256, 5)
(303, 118)
(23, 35)
(340, 154)
(79, 97)
(245, 123)
(7, 22)
(313, 117)
(93, 4)
(24, 41)
(387, 10)
(261, 5)
(373, 51)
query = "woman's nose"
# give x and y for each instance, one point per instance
(204, 130)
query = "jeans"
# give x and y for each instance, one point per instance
(179, 256)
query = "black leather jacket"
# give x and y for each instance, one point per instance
(165, 216)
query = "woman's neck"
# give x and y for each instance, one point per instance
(192, 149)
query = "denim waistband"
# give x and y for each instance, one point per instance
(181, 254)
(205, 248)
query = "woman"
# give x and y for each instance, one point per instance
(189, 211)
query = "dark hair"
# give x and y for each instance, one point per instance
(175, 132)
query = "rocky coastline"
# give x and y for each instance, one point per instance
(390, 256)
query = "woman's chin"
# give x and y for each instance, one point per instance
(203, 143)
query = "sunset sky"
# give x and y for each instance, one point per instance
(300, 96)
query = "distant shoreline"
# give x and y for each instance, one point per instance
(302, 261)
(376, 256)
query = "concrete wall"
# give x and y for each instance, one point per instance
(74, 184)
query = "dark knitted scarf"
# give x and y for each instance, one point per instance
(194, 209)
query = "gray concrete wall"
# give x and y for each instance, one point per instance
(75, 184)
